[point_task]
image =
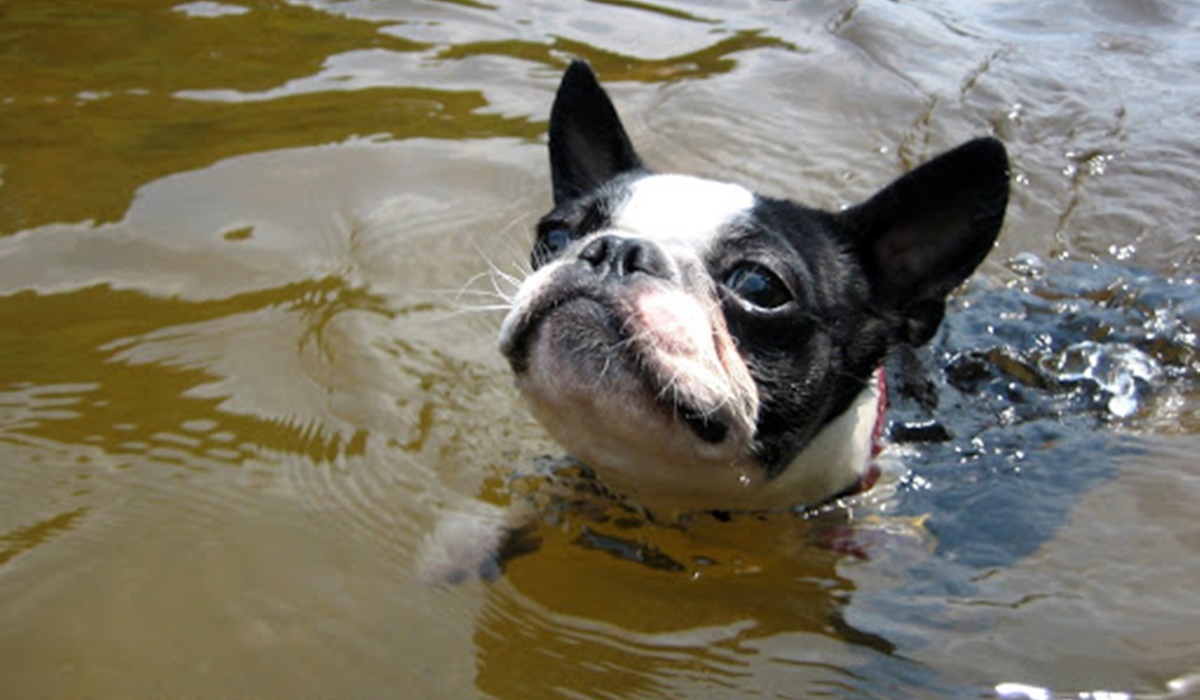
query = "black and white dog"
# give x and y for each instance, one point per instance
(703, 347)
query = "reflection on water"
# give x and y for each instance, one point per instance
(637, 607)
(246, 353)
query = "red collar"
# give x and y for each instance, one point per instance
(871, 474)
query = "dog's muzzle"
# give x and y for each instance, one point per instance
(622, 359)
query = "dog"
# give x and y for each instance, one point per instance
(701, 347)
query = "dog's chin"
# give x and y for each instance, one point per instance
(646, 389)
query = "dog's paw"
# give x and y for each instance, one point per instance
(475, 540)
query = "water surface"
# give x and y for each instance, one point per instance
(247, 255)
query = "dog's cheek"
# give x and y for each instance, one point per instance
(674, 323)
(694, 336)
(736, 367)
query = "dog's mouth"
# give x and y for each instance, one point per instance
(706, 427)
(631, 353)
(520, 328)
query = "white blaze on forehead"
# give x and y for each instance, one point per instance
(679, 208)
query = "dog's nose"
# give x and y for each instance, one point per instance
(615, 256)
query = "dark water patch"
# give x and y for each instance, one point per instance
(660, 9)
(89, 107)
(630, 550)
(21, 540)
(62, 49)
(474, 4)
(132, 381)
(714, 59)
(1031, 396)
(136, 138)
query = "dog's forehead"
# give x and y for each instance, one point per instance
(681, 209)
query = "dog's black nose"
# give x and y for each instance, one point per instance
(615, 256)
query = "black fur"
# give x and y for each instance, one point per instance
(588, 144)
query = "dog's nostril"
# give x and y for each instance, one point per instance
(632, 257)
(596, 253)
(621, 257)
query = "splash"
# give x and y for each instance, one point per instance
(1122, 372)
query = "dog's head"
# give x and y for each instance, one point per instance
(701, 346)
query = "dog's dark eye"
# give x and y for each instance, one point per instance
(549, 244)
(758, 286)
(557, 240)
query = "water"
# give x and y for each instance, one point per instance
(246, 369)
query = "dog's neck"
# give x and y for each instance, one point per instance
(839, 459)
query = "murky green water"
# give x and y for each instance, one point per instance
(247, 362)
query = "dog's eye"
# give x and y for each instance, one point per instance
(549, 244)
(557, 240)
(758, 286)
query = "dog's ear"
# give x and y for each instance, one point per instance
(588, 145)
(924, 234)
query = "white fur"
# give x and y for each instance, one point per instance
(672, 210)
(834, 460)
(681, 209)
(643, 460)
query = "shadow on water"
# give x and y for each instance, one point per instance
(604, 601)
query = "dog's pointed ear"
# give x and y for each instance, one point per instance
(588, 145)
(924, 234)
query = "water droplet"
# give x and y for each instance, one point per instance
(1122, 252)
(1027, 265)
(1020, 690)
